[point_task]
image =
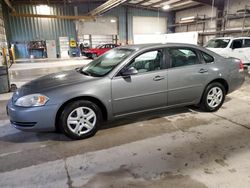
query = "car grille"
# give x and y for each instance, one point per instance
(23, 124)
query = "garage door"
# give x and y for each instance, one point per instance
(101, 26)
(102, 30)
(149, 29)
(149, 25)
(95, 40)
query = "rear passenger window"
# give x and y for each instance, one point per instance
(207, 58)
(238, 43)
(183, 57)
(247, 43)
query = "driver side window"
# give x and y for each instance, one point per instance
(148, 61)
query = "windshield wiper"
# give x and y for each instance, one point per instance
(85, 73)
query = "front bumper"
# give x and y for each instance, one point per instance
(32, 119)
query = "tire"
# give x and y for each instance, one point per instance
(80, 119)
(213, 97)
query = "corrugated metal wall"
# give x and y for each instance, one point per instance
(120, 13)
(20, 29)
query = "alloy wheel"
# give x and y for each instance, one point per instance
(214, 97)
(81, 120)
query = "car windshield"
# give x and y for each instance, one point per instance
(106, 63)
(217, 43)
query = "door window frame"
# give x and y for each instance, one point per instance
(197, 52)
(242, 43)
(164, 62)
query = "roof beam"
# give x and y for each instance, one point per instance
(217, 3)
(106, 7)
(157, 3)
(52, 16)
(141, 2)
(10, 5)
(57, 2)
(145, 7)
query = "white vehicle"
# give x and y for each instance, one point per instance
(231, 47)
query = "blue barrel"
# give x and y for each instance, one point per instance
(4, 80)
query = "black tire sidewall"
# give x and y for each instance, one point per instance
(204, 103)
(69, 108)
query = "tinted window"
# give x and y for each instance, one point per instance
(207, 58)
(217, 43)
(237, 44)
(148, 61)
(182, 57)
(247, 43)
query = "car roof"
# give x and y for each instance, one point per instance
(157, 45)
(232, 38)
(145, 47)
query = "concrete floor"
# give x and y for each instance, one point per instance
(176, 148)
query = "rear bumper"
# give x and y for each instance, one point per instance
(236, 82)
(32, 119)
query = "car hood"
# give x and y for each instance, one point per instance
(53, 81)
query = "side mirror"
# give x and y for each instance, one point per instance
(129, 72)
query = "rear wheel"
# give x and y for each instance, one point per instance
(213, 97)
(80, 119)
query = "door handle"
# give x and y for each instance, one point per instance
(158, 78)
(203, 70)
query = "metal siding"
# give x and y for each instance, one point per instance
(22, 29)
(25, 29)
(120, 13)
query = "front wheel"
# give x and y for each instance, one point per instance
(80, 119)
(213, 97)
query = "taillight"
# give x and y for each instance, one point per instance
(241, 67)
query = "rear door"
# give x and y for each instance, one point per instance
(187, 75)
(238, 50)
(246, 51)
(145, 90)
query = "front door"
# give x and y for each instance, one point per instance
(186, 76)
(143, 91)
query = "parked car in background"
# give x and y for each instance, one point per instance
(231, 47)
(125, 81)
(99, 50)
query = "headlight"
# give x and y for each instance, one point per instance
(32, 100)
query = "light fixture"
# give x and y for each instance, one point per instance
(112, 20)
(43, 9)
(166, 7)
(189, 19)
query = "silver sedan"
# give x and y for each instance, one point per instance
(125, 81)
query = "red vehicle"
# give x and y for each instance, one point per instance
(99, 50)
